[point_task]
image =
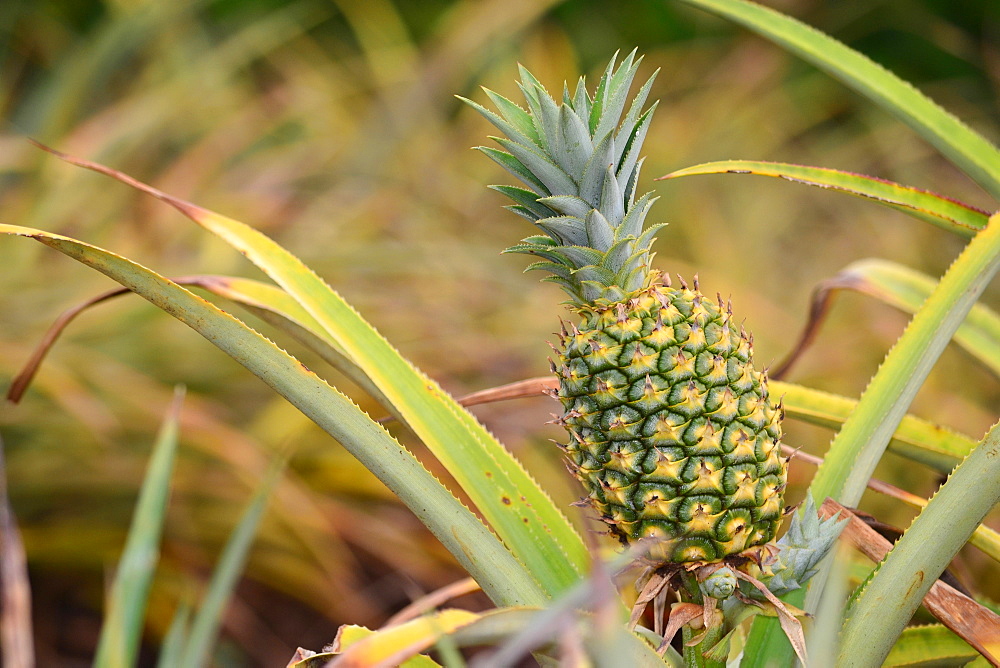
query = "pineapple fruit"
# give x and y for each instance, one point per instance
(671, 430)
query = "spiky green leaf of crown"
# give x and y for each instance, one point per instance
(580, 162)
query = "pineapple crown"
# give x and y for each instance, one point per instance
(580, 162)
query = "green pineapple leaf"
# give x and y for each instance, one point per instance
(963, 146)
(529, 201)
(533, 528)
(949, 214)
(504, 579)
(897, 587)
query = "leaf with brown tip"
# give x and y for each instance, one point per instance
(945, 212)
(902, 288)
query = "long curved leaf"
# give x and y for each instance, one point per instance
(503, 578)
(523, 515)
(962, 145)
(905, 289)
(952, 215)
(276, 307)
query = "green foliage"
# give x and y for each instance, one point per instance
(581, 158)
(948, 214)
(202, 635)
(907, 290)
(332, 129)
(911, 568)
(123, 620)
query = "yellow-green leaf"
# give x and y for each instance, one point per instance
(906, 289)
(357, 646)
(503, 578)
(933, 445)
(517, 508)
(932, 644)
(963, 146)
(950, 214)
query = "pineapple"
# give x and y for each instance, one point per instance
(671, 430)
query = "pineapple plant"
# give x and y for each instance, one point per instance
(670, 427)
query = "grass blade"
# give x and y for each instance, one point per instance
(517, 508)
(173, 643)
(208, 619)
(946, 213)
(963, 146)
(887, 603)
(502, 577)
(118, 646)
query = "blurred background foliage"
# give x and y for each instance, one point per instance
(332, 127)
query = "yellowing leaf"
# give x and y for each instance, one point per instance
(361, 647)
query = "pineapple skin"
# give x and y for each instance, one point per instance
(672, 432)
